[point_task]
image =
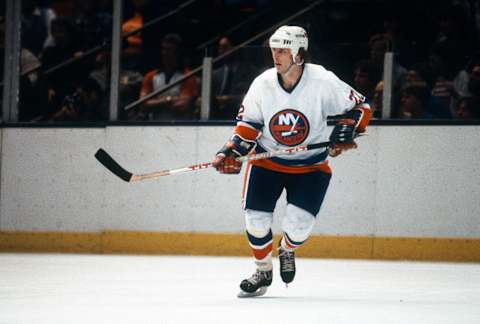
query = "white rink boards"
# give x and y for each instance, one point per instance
(402, 181)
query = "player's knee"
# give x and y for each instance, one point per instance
(258, 223)
(298, 223)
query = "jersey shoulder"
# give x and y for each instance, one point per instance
(266, 77)
(318, 72)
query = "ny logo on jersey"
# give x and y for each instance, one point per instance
(289, 127)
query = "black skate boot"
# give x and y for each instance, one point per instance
(256, 285)
(287, 264)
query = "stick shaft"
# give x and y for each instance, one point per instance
(195, 167)
(252, 157)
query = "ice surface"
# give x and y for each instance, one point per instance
(64, 288)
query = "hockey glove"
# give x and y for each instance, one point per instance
(342, 137)
(225, 160)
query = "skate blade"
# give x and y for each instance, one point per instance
(260, 292)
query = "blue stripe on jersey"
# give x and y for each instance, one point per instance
(260, 241)
(320, 157)
(257, 126)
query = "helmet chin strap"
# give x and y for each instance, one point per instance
(289, 67)
(294, 63)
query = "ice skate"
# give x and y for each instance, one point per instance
(287, 264)
(256, 285)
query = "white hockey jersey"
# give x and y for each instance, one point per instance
(299, 117)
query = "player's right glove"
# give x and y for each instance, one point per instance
(342, 137)
(225, 160)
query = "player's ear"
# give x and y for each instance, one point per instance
(301, 57)
(298, 59)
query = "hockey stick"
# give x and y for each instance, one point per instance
(104, 158)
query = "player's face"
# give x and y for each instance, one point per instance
(282, 59)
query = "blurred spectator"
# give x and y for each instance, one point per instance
(177, 102)
(133, 57)
(133, 44)
(420, 74)
(394, 33)
(28, 61)
(377, 100)
(378, 45)
(130, 84)
(474, 81)
(468, 108)
(84, 104)
(61, 82)
(92, 22)
(30, 99)
(468, 80)
(414, 102)
(36, 21)
(230, 82)
(442, 92)
(101, 69)
(366, 77)
(453, 41)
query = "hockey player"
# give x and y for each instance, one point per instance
(286, 106)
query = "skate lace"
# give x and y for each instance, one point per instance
(288, 261)
(257, 277)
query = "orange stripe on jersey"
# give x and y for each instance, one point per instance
(260, 254)
(270, 165)
(364, 118)
(246, 132)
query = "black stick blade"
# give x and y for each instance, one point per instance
(108, 162)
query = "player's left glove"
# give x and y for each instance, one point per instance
(225, 160)
(342, 137)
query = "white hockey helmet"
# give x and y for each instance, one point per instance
(292, 37)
